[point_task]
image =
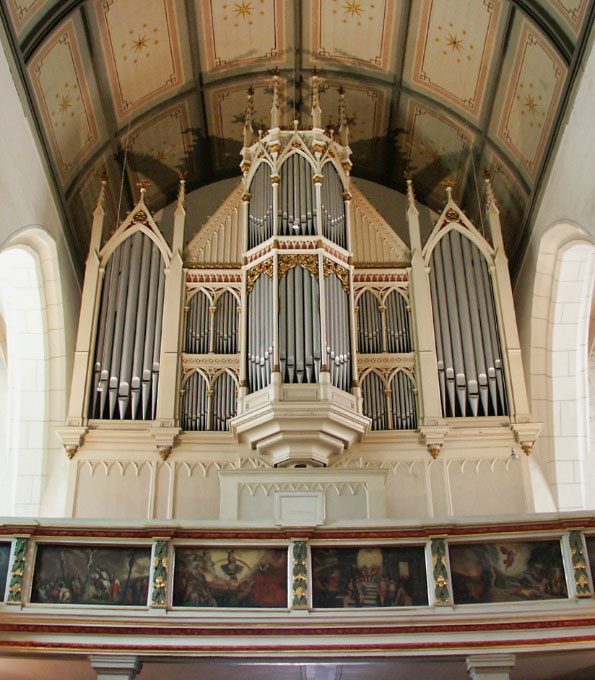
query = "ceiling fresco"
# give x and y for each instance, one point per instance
(147, 90)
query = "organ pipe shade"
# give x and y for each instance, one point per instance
(226, 324)
(398, 331)
(403, 404)
(128, 342)
(195, 403)
(375, 402)
(299, 326)
(198, 324)
(223, 402)
(333, 206)
(337, 332)
(470, 370)
(259, 356)
(297, 198)
(369, 324)
(260, 214)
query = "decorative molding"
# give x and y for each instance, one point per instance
(331, 267)
(287, 262)
(159, 566)
(300, 575)
(15, 592)
(72, 438)
(579, 564)
(440, 573)
(264, 267)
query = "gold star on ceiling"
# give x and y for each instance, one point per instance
(454, 42)
(244, 9)
(65, 104)
(140, 43)
(354, 8)
(531, 105)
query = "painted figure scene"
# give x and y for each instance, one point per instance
(369, 577)
(507, 572)
(230, 577)
(91, 575)
(4, 559)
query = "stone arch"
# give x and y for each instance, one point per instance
(562, 468)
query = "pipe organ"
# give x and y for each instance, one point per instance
(303, 347)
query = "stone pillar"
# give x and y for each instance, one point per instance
(115, 667)
(490, 666)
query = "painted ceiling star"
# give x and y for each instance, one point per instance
(140, 43)
(65, 103)
(354, 8)
(531, 105)
(454, 42)
(244, 9)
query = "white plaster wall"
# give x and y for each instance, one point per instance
(27, 201)
(567, 197)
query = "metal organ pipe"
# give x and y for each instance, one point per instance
(198, 325)
(260, 334)
(404, 407)
(260, 213)
(373, 390)
(398, 331)
(223, 402)
(370, 324)
(297, 204)
(194, 403)
(466, 330)
(333, 207)
(226, 324)
(128, 341)
(337, 333)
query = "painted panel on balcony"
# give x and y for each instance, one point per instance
(66, 574)
(230, 577)
(507, 572)
(369, 577)
(4, 559)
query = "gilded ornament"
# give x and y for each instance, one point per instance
(331, 267)
(159, 581)
(452, 215)
(296, 144)
(347, 196)
(246, 197)
(17, 572)
(300, 575)
(438, 547)
(287, 262)
(579, 564)
(264, 267)
(274, 148)
(245, 167)
(140, 217)
(318, 148)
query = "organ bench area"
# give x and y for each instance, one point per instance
(297, 329)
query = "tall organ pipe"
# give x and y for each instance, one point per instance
(223, 402)
(403, 402)
(375, 406)
(198, 324)
(370, 324)
(226, 324)
(338, 333)
(297, 204)
(128, 339)
(260, 213)
(467, 337)
(299, 327)
(260, 334)
(333, 207)
(398, 331)
(194, 403)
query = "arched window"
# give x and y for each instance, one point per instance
(32, 372)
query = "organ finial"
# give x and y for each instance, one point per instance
(490, 192)
(101, 196)
(275, 109)
(248, 129)
(410, 191)
(343, 124)
(448, 183)
(316, 110)
(181, 192)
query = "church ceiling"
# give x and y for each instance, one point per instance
(149, 89)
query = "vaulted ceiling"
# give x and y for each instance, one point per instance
(146, 89)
